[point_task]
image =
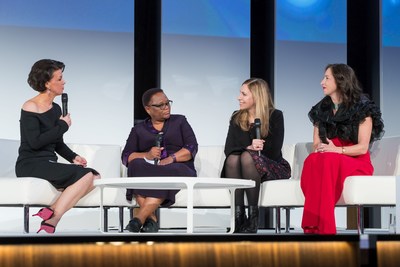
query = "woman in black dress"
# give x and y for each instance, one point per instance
(161, 145)
(42, 127)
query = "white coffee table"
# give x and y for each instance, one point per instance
(173, 183)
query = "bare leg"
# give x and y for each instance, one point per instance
(148, 205)
(71, 195)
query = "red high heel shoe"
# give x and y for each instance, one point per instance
(45, 213)
(48, 228)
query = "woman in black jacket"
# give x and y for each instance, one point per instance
(253, 149)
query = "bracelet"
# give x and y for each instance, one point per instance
(343, 150)
(173, 157)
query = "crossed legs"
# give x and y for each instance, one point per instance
(148, 206)
(70, 196)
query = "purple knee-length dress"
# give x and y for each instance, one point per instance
(177, 134)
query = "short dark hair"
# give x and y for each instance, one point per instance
(42, 72)
(149, 94)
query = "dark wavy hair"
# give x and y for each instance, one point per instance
(148, 95)
(347, 83)
(42, 72)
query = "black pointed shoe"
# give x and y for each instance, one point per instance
(134, 225)
(150, 226)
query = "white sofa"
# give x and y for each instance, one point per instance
(34, 192)
(359, 191)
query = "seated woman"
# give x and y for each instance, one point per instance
(253, 149)
(345, 123)
(42, 127)
(161, 145)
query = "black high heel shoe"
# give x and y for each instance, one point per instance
(45, 213)
(48, 228)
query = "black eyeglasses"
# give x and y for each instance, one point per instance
(163, 106)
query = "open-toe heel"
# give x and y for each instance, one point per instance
(45, 213)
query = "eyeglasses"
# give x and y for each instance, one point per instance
(163, 106)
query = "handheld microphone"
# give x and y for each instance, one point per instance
(64, 100)
(159, 139)
(257, 126)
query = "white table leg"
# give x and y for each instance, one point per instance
(190, 208)
(397, 223)
(101, 210)
(232, 192)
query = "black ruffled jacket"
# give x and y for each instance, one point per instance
(344, 124)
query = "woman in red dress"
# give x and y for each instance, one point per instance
(345, 123)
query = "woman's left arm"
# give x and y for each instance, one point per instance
(274, 142)
(181, 155)
(364, 137)
(190, 146)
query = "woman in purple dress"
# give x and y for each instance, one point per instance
(161, 145)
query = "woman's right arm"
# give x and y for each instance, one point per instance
(131, 150)
(30, 128)
(316, 139)
(232, 140)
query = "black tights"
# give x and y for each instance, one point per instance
(242, 167)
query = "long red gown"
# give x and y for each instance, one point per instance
(322, 182)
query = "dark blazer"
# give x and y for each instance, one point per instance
(237, 140)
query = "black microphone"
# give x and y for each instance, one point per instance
(64, 100)
(159, 139)
(257, 126)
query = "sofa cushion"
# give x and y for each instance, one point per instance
(281, 193)
(369, 190)
(36, 191)
(27, 190)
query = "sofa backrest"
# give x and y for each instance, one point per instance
(8, 157)
(288, 154)
(301, 151)
(209, 161)
(385, 156)
(106, 159)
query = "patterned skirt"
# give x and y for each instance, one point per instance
(270, 169)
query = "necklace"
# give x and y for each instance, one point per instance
(336, 106)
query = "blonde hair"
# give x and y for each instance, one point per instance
(264, 106)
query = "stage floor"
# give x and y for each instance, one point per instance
(177, 248)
